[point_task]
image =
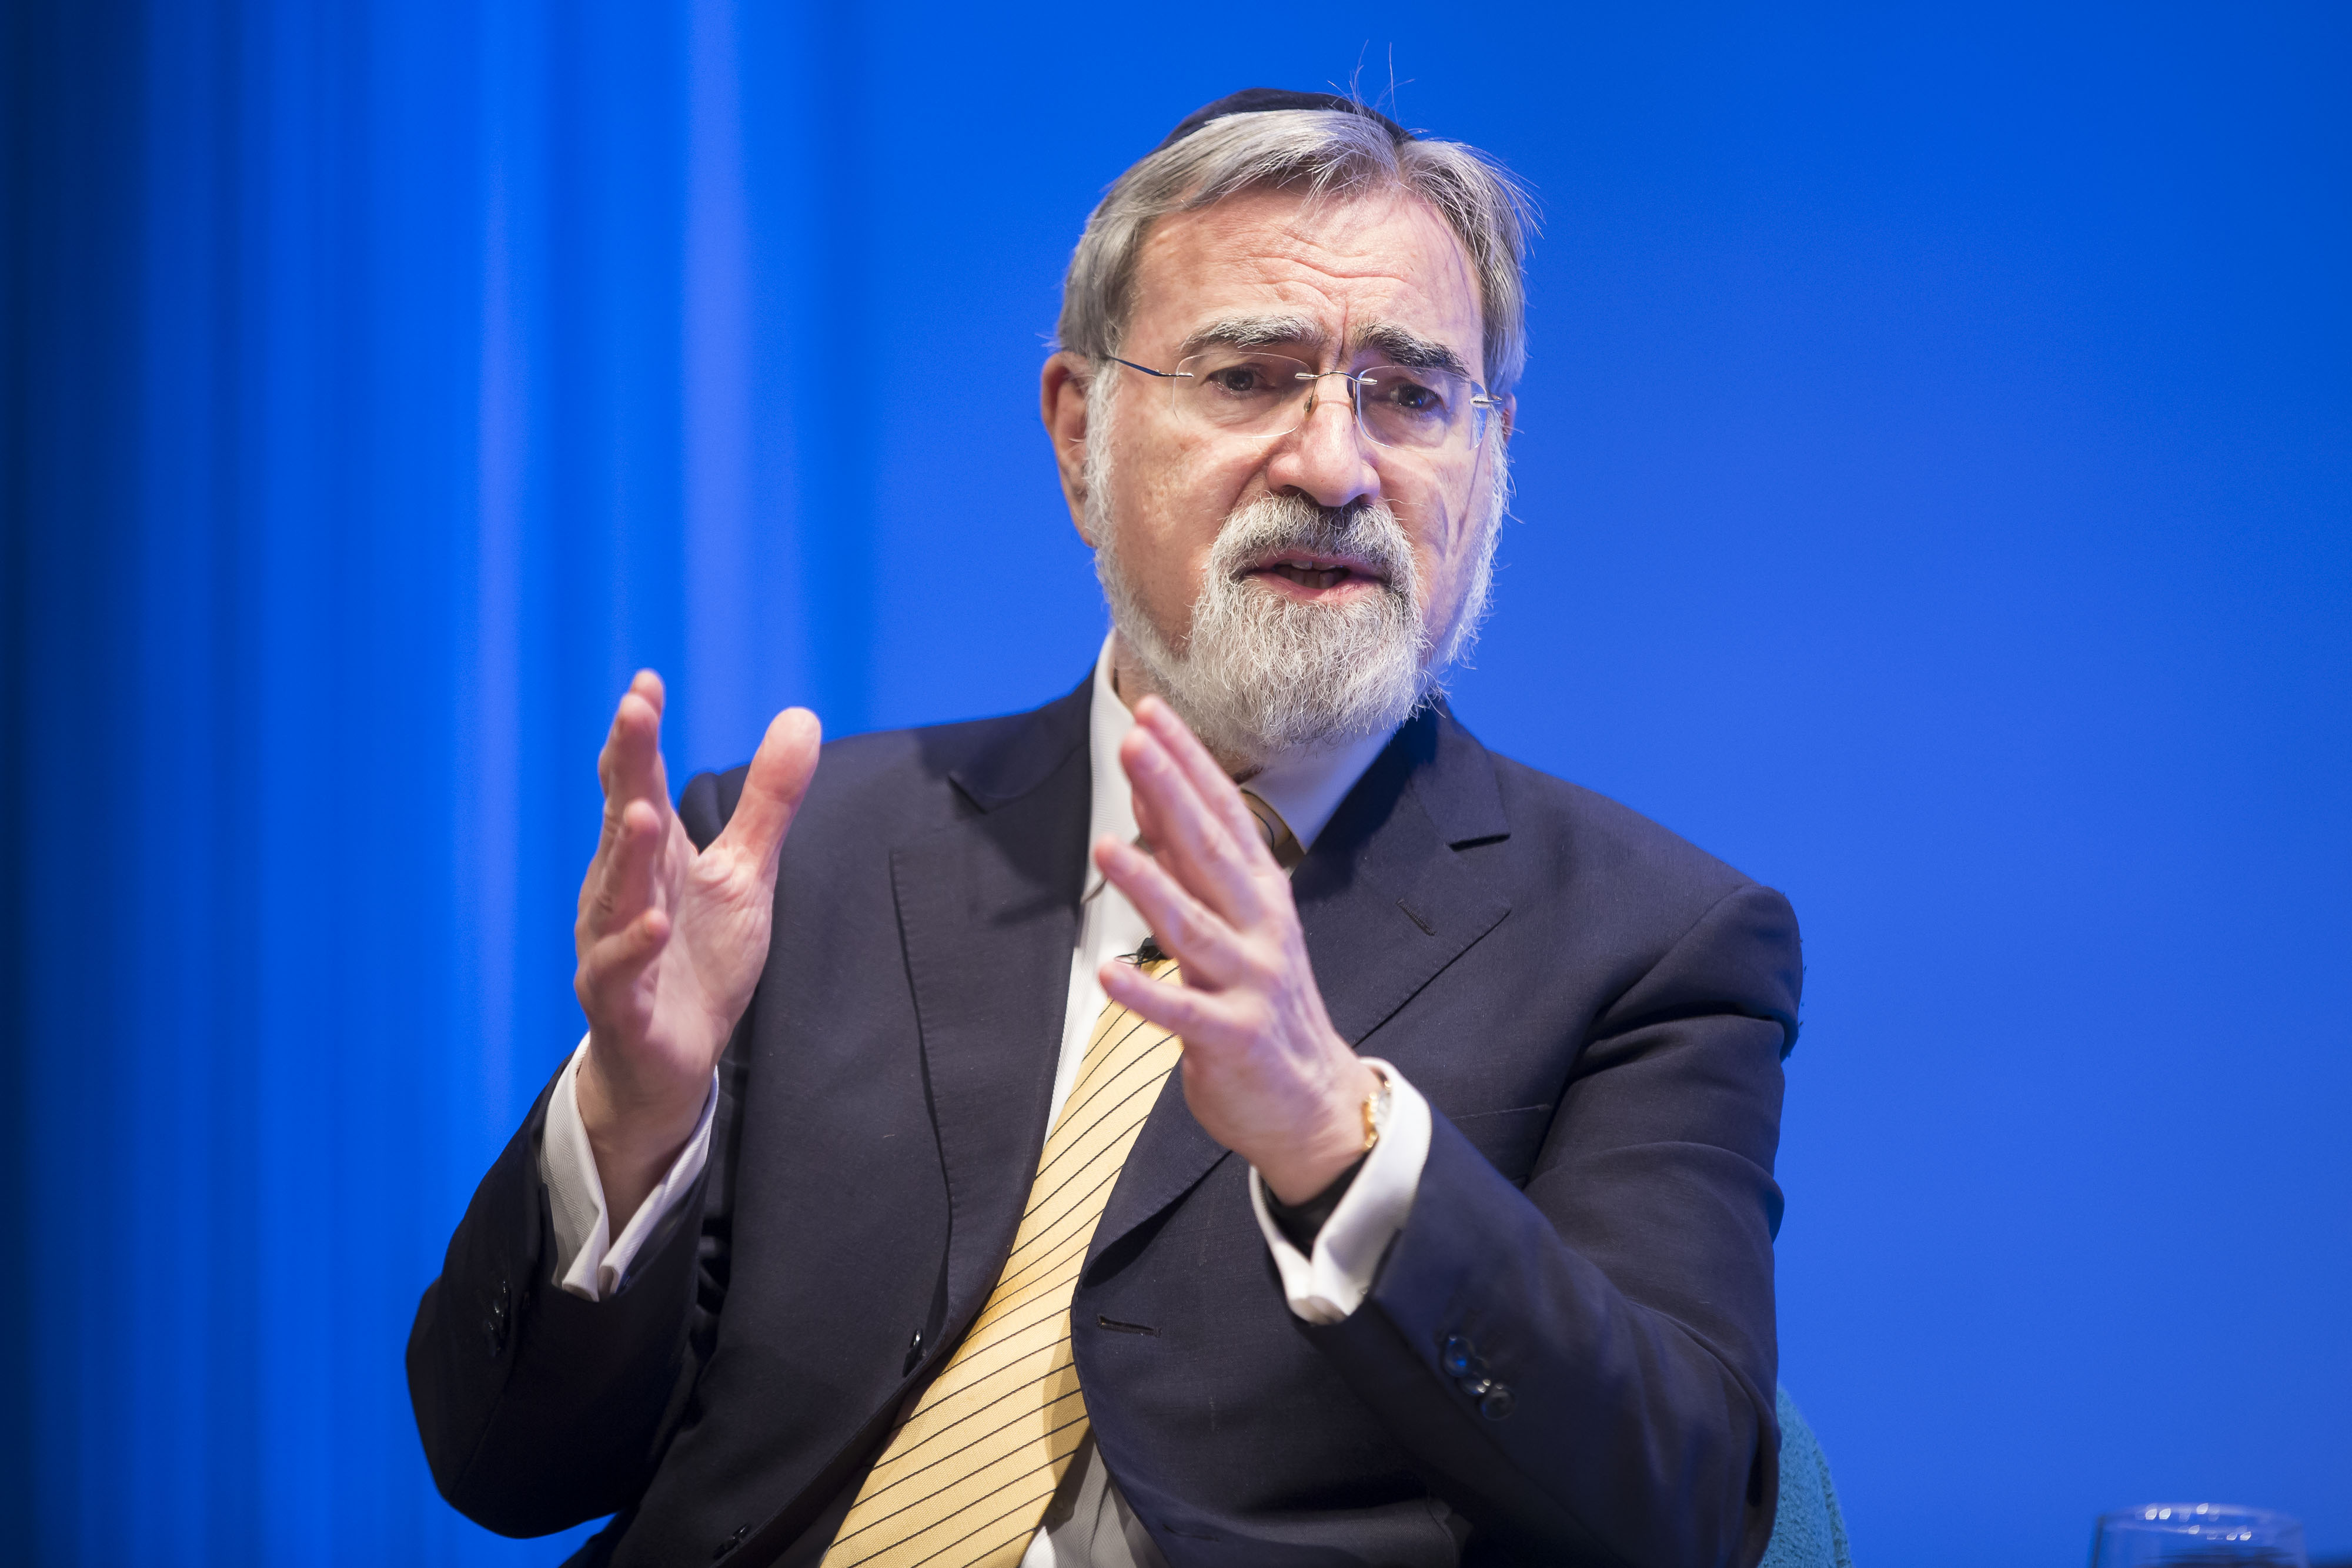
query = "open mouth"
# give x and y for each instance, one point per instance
(1316, 574)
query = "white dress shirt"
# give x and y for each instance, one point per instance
(1090, 1525)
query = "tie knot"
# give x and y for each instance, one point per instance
(1279, 840)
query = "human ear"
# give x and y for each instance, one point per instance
(1062, 405)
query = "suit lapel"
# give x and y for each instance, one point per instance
(1391, 906)
(1385, 905)
(988, 914)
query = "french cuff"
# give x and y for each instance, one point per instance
(589, 1263)
(1333, 1281)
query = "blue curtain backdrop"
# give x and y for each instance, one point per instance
(1935, 498)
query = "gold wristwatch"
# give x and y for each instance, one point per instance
(1376, 1112)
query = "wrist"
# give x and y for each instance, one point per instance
(633, 1131)
(1334, 1140)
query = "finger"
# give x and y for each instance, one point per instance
(624, 877)
(651, 698)
(1187, 838)
(613, 963)
(630, 767)
(648, 683)
(1208, 950)
(1211, 862)
(1216, 788)
(608, 763)
(1201, 1019)
(774, 788)
(1219, 796)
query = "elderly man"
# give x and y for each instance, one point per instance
(1226, 1115)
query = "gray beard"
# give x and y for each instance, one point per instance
(1260, 676)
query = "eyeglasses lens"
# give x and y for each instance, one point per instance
(1404, 407)
(1271, 394)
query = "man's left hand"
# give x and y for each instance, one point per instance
(1265, 1072)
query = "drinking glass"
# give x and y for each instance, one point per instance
(2197, 1536)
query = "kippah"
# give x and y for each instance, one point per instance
(1259, 99)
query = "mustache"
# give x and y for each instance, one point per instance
(1366, 532)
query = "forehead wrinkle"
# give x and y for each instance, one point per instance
(1317, 270)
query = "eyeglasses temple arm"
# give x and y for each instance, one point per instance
(1147, 370)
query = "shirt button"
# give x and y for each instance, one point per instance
(1496, 1402)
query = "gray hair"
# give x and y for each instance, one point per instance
(1324, 152)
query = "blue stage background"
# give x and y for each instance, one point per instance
(1934, 482)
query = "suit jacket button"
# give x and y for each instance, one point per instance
(1457, 1356)
(495, 1319)
(1475, 1387)
(1496, 1402)
(731, 1543)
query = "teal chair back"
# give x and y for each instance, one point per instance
(1809, 1532)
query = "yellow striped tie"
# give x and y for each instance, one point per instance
(965, 1480)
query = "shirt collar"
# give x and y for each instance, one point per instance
(1107, 722)
(1305, 787)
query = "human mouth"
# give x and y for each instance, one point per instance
(1313, 576)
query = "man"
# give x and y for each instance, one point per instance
(1223, 1116)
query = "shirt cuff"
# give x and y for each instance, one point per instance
(1333, 1281)
(589, 1263)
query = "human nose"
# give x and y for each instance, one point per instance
(1326, 458)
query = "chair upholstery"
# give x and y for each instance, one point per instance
(1808, 1531)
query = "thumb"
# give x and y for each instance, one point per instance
(772, 790)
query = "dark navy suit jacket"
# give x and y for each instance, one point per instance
(1596, 1011)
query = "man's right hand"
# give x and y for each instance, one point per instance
(671, 942)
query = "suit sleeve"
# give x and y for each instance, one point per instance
(1585, 1369)
(540, 1410)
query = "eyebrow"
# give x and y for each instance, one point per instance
(1408, 347)
(1397, 345)
(1254, 332)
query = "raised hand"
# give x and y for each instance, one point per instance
(1265, 1072)
(671, 942)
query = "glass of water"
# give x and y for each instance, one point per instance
(2197, 1536)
